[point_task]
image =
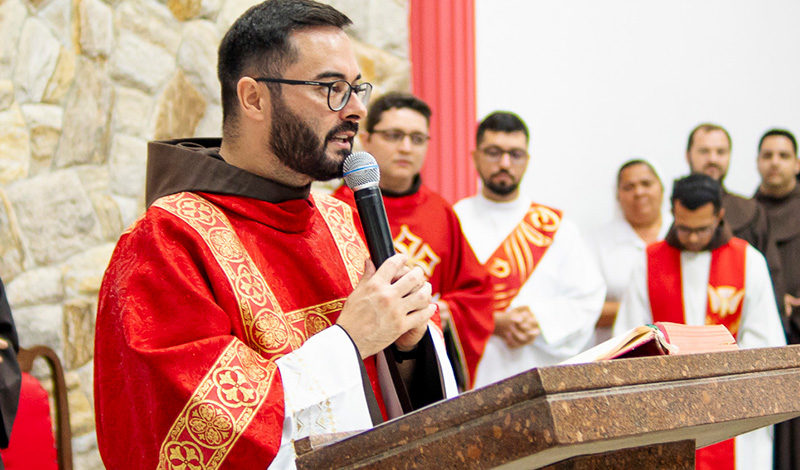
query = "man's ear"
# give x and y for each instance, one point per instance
(721, 213)
(254, 99)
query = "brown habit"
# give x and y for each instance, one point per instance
(748, 221)
(784, 224)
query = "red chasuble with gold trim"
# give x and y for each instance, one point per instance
(425, 228)
(201, 296)
(725, 291)
(514, 261)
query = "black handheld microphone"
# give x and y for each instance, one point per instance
(361, 174)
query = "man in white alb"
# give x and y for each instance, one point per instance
(702, 274)
(548, 290)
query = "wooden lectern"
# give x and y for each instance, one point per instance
(628, 413)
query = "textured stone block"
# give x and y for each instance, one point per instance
(83, 272)
(42, 324)
(36, 60)
(197, 57)
(44, 125)
(12, 17)
(133, 112)
(96, 25)
(55, 216)
(149, 19)
(62, 78)
(84, 134)
(128, 164)
(34, 287)
(141, 64)
(6, 94)
(14, 145)
(180, 108)
(79, 315)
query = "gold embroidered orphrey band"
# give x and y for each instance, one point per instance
(236, 386)
(516, 258)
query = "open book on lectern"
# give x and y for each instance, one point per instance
(660, 339)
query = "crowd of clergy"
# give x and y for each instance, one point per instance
(715, 257)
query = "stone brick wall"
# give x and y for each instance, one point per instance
(84, 84)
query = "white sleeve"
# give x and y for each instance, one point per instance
(322, 391)
(634, 310)
(449, 378)
(568, 301)
(761, 324)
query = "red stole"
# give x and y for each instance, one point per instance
(725, 292)
(516, 258)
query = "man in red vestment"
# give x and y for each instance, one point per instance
(425, 227)
(702, 274)
(240, 313)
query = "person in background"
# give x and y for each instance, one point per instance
(10, 375)
(621, 243)
(701, 274)
(708, 151)
(548, 290)
(779, 194)
(425, 227)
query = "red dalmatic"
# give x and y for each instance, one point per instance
(425, 228)
(725, 291)
(201, 297)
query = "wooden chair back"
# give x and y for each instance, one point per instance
(25, 357)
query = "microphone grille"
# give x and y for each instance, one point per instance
(360, 171)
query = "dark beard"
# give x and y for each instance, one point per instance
(299, 148)
(500, 189)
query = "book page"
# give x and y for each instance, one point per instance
(615, 346)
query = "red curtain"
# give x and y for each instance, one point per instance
(442, 48)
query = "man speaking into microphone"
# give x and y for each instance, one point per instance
(241, 312)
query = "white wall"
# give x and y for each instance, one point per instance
(599, 82)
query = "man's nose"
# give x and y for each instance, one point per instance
(405, 143)
(354, 110)
(505, 160)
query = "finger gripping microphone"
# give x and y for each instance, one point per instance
(361, 174)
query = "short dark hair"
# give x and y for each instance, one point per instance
(708, 127)
(399, 100)
(634, 162)
(697, 190)
(782, 133)
(501, 121)
(258, 43)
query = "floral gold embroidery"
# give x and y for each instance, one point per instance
(235, 388)
(184, 456)
(269, 332)
(338, 217)
(226, 243)
(210, 424)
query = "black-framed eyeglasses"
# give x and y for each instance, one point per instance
(339, 91)
(699, 231)
(494, 152)
(396, 135)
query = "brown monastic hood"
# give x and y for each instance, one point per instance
(175, 166)
(722, 235)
